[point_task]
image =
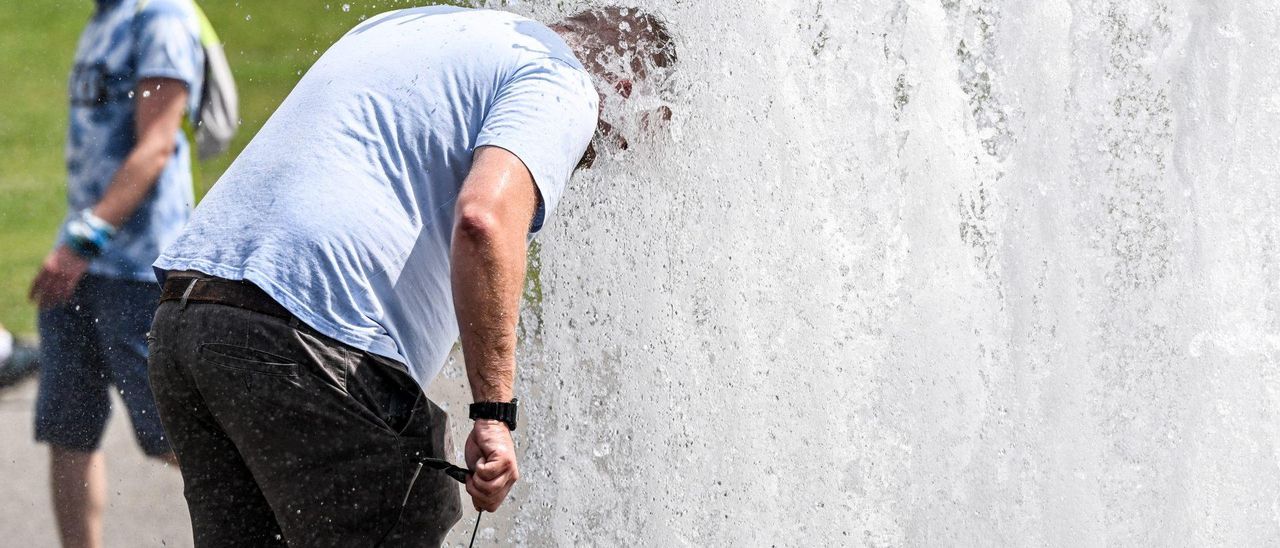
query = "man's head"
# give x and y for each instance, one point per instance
(621, 47)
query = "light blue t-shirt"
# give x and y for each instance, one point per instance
(121, 46)
(342, 206)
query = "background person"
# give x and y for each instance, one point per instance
(313, 295)
(129, 191)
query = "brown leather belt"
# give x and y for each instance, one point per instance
(211, 290)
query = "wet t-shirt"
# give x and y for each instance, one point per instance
(122, 45)
(342, 206)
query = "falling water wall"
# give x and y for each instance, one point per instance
(921, 273)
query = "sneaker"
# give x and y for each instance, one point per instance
(23, 361)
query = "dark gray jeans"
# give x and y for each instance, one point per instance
(287, 437)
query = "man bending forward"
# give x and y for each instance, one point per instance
(381, 212)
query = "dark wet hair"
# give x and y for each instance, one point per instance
(623, 29)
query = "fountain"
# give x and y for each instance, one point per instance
(956, 272)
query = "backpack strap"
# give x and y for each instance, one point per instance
(208, 36)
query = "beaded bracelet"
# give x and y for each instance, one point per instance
(88, 235)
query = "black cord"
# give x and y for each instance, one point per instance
(473, 531)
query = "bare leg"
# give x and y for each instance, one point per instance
(79, 482)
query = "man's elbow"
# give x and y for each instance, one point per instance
(477, 224)
(155, 154)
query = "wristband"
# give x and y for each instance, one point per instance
(88, 235)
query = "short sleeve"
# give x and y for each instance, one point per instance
(168, 46)
(545, 114)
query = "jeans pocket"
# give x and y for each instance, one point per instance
(400, 412)
(251, 360)
(427, 421)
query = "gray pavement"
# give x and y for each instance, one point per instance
(145, 506)
(144, 496)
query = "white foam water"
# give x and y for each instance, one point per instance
(956, 272)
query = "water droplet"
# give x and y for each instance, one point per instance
(346, 7)
(248, 17)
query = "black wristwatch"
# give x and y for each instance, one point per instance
(496, 410)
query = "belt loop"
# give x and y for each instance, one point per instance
(183, 305)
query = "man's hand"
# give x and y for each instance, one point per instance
(492, 455)
(58, 277)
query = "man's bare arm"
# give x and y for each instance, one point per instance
(494, 210)
(160, 104)
(492, 217)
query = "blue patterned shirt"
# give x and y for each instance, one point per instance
(121, 46)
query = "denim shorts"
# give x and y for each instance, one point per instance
(94, 342)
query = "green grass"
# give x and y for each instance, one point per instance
(269, 43)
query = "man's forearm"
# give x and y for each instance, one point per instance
(132, 183)
(488, 275)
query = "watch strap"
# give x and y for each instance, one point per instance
(495, 410)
